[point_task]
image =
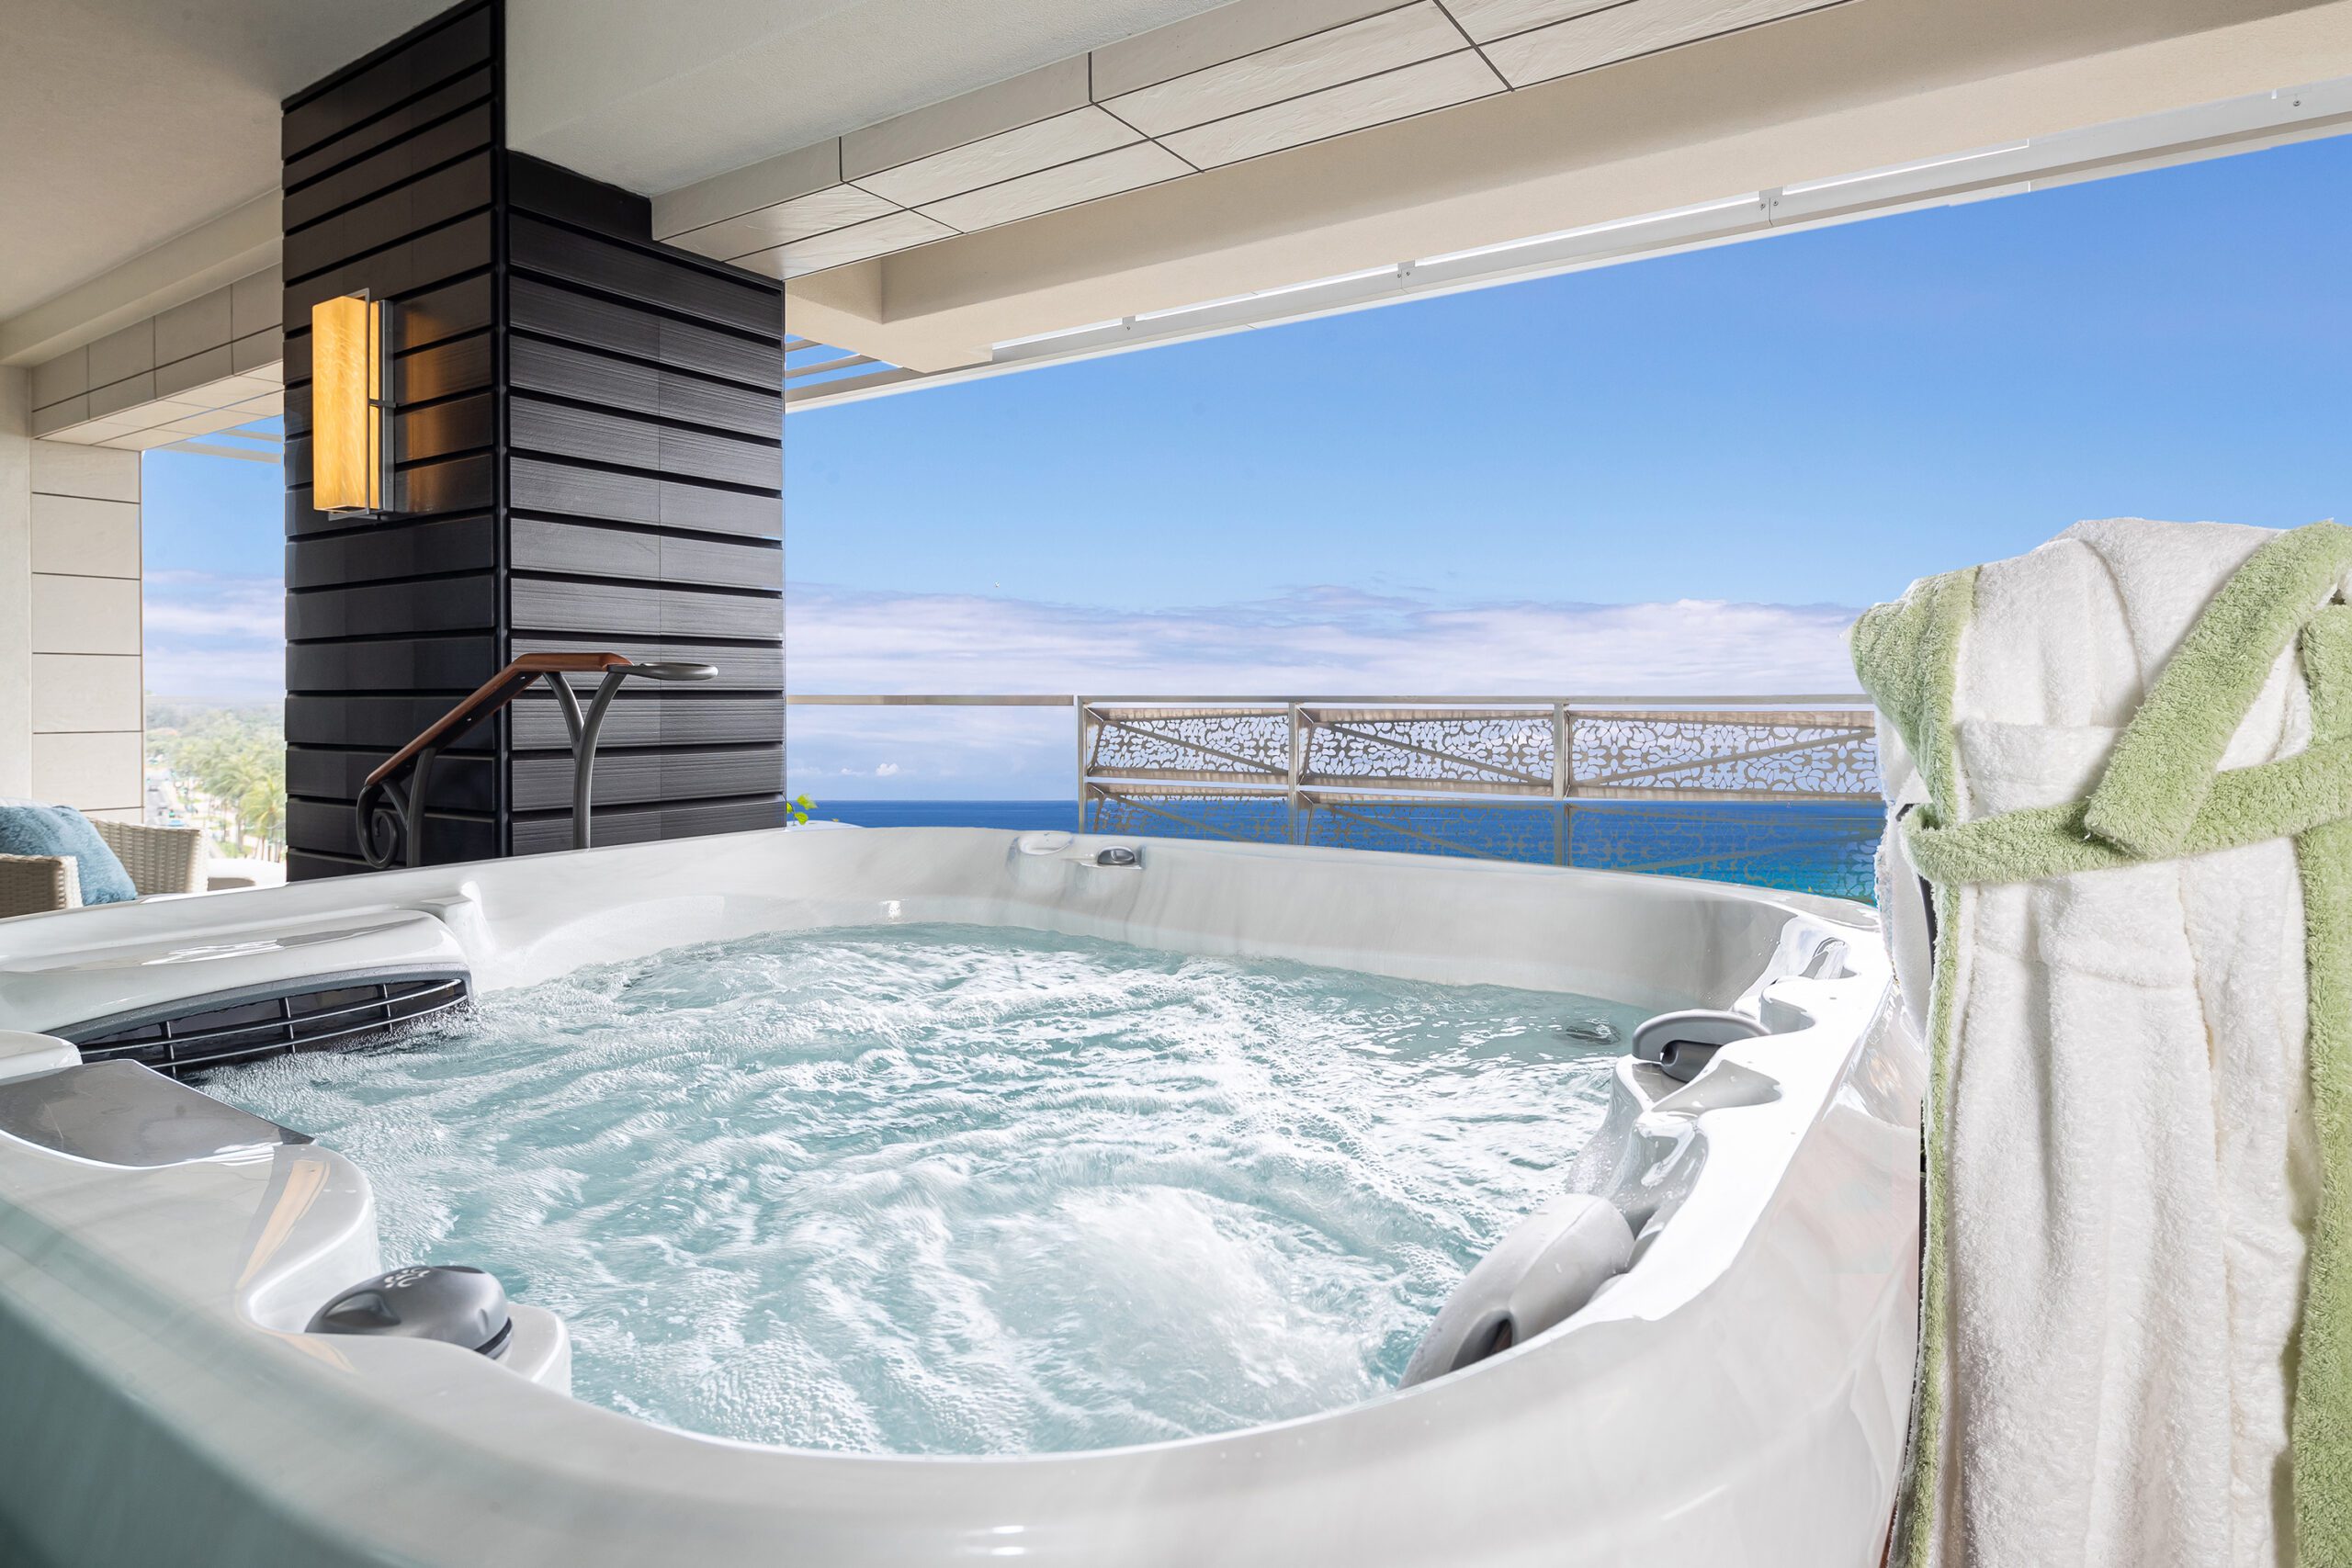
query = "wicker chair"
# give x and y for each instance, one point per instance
(160, 860)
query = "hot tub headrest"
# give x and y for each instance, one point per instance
(1545, 1268)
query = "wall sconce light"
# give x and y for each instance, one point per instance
(350, 449)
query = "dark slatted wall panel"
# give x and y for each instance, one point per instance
(391, 187)
(646, 416)
(589, 444)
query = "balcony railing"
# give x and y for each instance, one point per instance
(1779, 791)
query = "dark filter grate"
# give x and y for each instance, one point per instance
(207, 1032)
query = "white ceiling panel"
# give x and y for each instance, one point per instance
(843, 246)
(1214, 36)
(131, 121)
(222, 449)
(1105, 173)
(91, 432)
(207, 423)
(1621, 32)
(1433, 83)
(1486, 20)
(998, 107)
(234, 389)
(1006, 156)
(656, 96)
(819, 212)
(749, 190)
(1410, 33)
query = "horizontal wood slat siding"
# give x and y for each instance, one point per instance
(634, 610)
(666, 722)
(579, 549)
(452, 45)
(674, 283)
(617, 327)
(329, 828)
(630, 441)
(398, 125)
(742, 667)
(545, 486)
(459, 783)
(461, 137)
(544, 783)
(446, 666)
(392, 609)
(390, 186)
(643, 825)
(565, 372)
(457, 544)
(587, 452)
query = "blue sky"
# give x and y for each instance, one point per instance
(1677, 475)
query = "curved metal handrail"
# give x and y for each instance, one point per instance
(391, 817)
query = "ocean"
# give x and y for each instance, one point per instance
(1821, 847)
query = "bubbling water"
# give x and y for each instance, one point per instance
(930, 1189)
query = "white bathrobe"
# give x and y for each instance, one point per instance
(2132, 1166)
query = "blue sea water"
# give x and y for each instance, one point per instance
(937, 1188)
(1795, 846)
(1019, 815)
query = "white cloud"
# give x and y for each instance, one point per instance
(1313, 642)
(213, 637)
(1323, 642)
(221, 637)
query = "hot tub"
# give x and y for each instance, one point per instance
(1740, 1394)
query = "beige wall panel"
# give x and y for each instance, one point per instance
(83, 691)
(95, 773)
(85, 615)
(62, 468)
(84, 538)
(16, 448)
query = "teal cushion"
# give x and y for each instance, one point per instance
(61, 830)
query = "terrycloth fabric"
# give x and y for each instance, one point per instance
(2122, 1121)
(27, 829)
(1910, 656)
(2322, 1429)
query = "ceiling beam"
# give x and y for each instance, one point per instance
(239, 241)
(1815, 97)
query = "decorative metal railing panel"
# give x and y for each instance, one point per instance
(1490, 750)
(1751, 790)
(1242, 744)
(1724, 754)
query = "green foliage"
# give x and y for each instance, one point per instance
(236, 755)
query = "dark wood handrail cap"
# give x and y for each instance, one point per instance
(489, 697)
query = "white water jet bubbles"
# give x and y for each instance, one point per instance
(963, 1190)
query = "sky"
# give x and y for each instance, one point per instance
(1679, 475)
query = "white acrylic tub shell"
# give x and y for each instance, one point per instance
(1740, 1397)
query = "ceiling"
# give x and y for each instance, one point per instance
(148, 118)
(147, 128)
(657, 97)
(131, 121)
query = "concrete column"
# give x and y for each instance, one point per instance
(16, 582)
(87, 713)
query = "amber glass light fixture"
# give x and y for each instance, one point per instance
(348, 406)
